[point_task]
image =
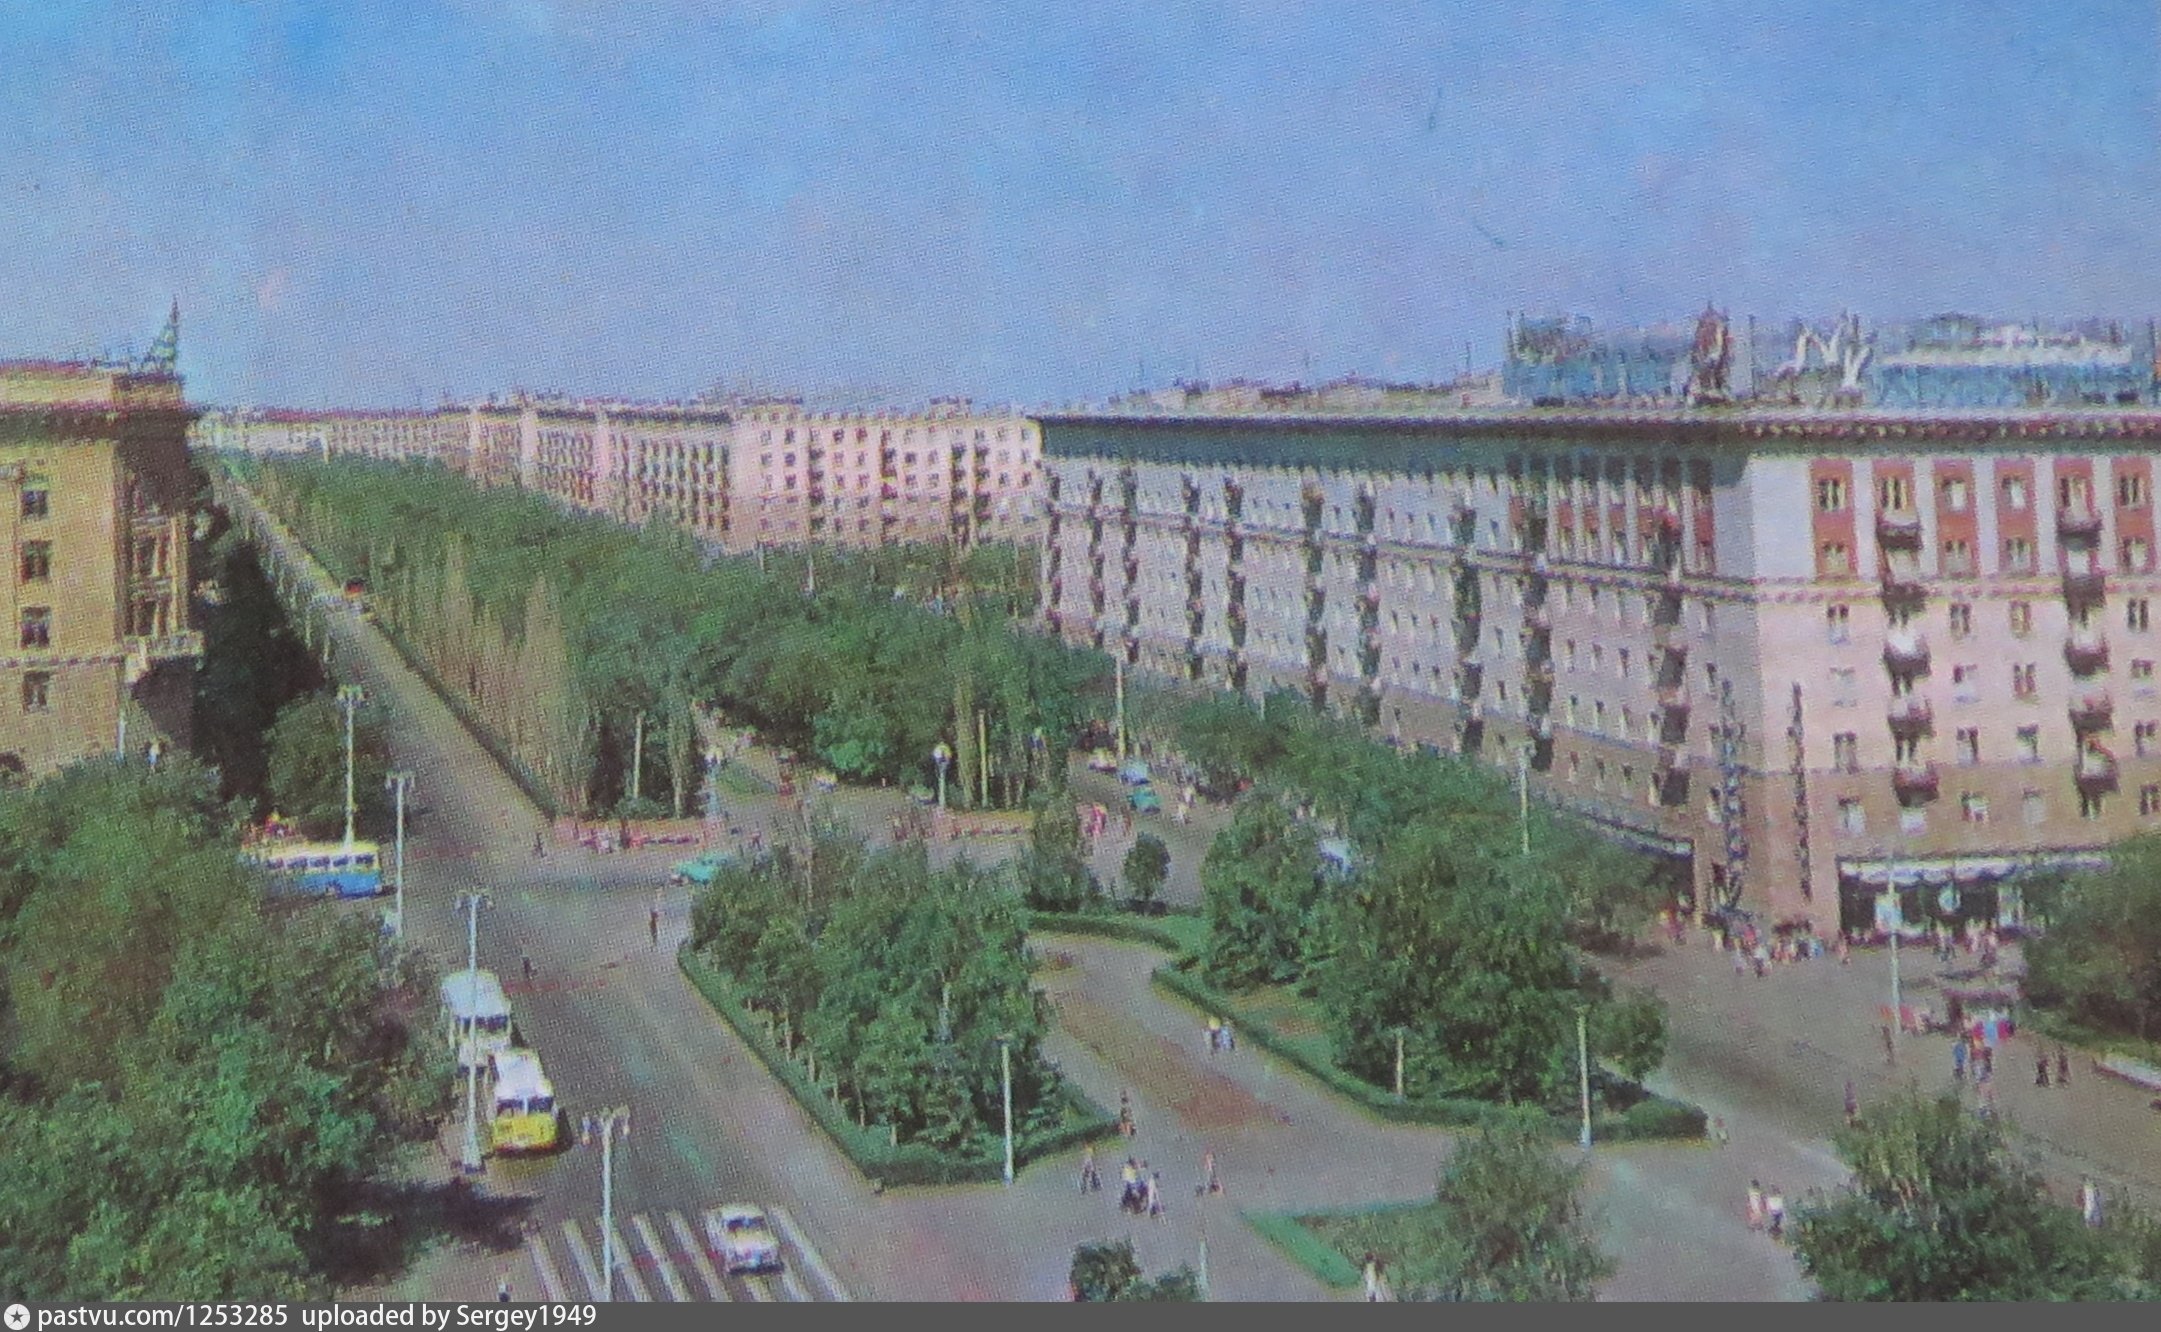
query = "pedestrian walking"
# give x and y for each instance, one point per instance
(2040, 1070)
(1774, 1211)
(2089, 1203)
(1125, 1115)
(1155, 1195)
(586, 1130)
(1958, 1060)
(1215, 1035)
(1090, 1181)
(502, 1290)
(1845, 951)
(1755, 1205)
(526, 961)
(2063, 1067)
(1719, 1137)
(538, 849)
(1853, 1105)
(1740, 962)
(1890, 1047)
(1210, 1183)
(1371, 1270)
(1988, 1063)
(1129, 1185)
(1230, 1038)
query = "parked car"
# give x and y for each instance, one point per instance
(1145, 800)
(700, 869)
(738, 1235)
(1135, 773)
(1102, 760)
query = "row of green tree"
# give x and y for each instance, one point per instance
(196, 1088)
(561, 630)
(903, 980)
(1442, 931)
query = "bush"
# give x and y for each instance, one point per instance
(1653, 1117)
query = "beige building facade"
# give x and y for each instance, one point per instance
(1801, 656)
(94, 499)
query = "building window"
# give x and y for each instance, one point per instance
(1835, 558)
(2023, 681)
(2092, 805)
(2142, 670)
(1913, 822)
(2137, 615)
(2014, 492)
(1830, 495)
(37, 561)
(2138, 555)
(1839, 622)
(37, 626)
(1969, 745)
(1842, 687)
(2029, 744)
(1961, 619)
(1954, 495)
(1846, 752)
(2017, 555)
(37, 691)
(2022, 618)
(2130, 494)
(1852, 819)
(1973, 808)
(1965, 684)
(2036, 807)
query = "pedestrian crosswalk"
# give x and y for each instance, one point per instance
(663, 1257)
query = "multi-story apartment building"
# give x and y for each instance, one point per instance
(736, 476)
(94, 500)
(1800, 654)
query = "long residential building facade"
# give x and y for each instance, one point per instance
(1802, 656)
(736, 476)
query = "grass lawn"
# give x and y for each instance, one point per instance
(1332, 1245)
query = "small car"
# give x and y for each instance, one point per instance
(1145, 800)
(739, 1237)
(1135, 773)
(699, 869)
(1102, 760)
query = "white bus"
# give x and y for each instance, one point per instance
(476, 1017)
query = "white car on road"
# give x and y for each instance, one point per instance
(742, 1239)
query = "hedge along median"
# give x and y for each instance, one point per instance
(1647, 1116)
(1177, 932)
(870, 1150)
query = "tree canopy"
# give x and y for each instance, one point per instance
(1939, 1210)
(194, 1086)
(305, 761)
(2099, 964)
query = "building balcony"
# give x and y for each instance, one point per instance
(2096, 770)
(1369, 593)
(1905, 651)
(1673, 700)
(1914, 778)
(1902, 579)
(1899, 527)
(2085, 651)
(1537, 619)
(1672, 760)
(2092, 711)
(1911, 716)
(1538, 673)
(2084, 584)
(1470, 678)
(2079, 522)
(1541, 729)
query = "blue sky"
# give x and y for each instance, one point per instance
(371, 204)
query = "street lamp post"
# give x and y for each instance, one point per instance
(941, 755)
(712, 784)
(349, 698)
(611, 1122)
(1583, 1071)
(398, 783)
(1523, 793)
(1005, 1080)
(470, 904)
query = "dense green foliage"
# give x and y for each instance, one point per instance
(1052, 873)
(558, 629)
(2100, 962)
(194, 1086)
(902, 980)
(1147, 865)
(1447, 933)
(1939, 1210)
(1506, 1223)
(305, 758)
(253, 663)
(1108, 1271)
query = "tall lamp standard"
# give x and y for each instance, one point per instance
(712, 784)
(398, 783)
(1583, 1071)
(1005, 1081)
(941, 755)
(470, 904)
(611, 1122)
(350, 698)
